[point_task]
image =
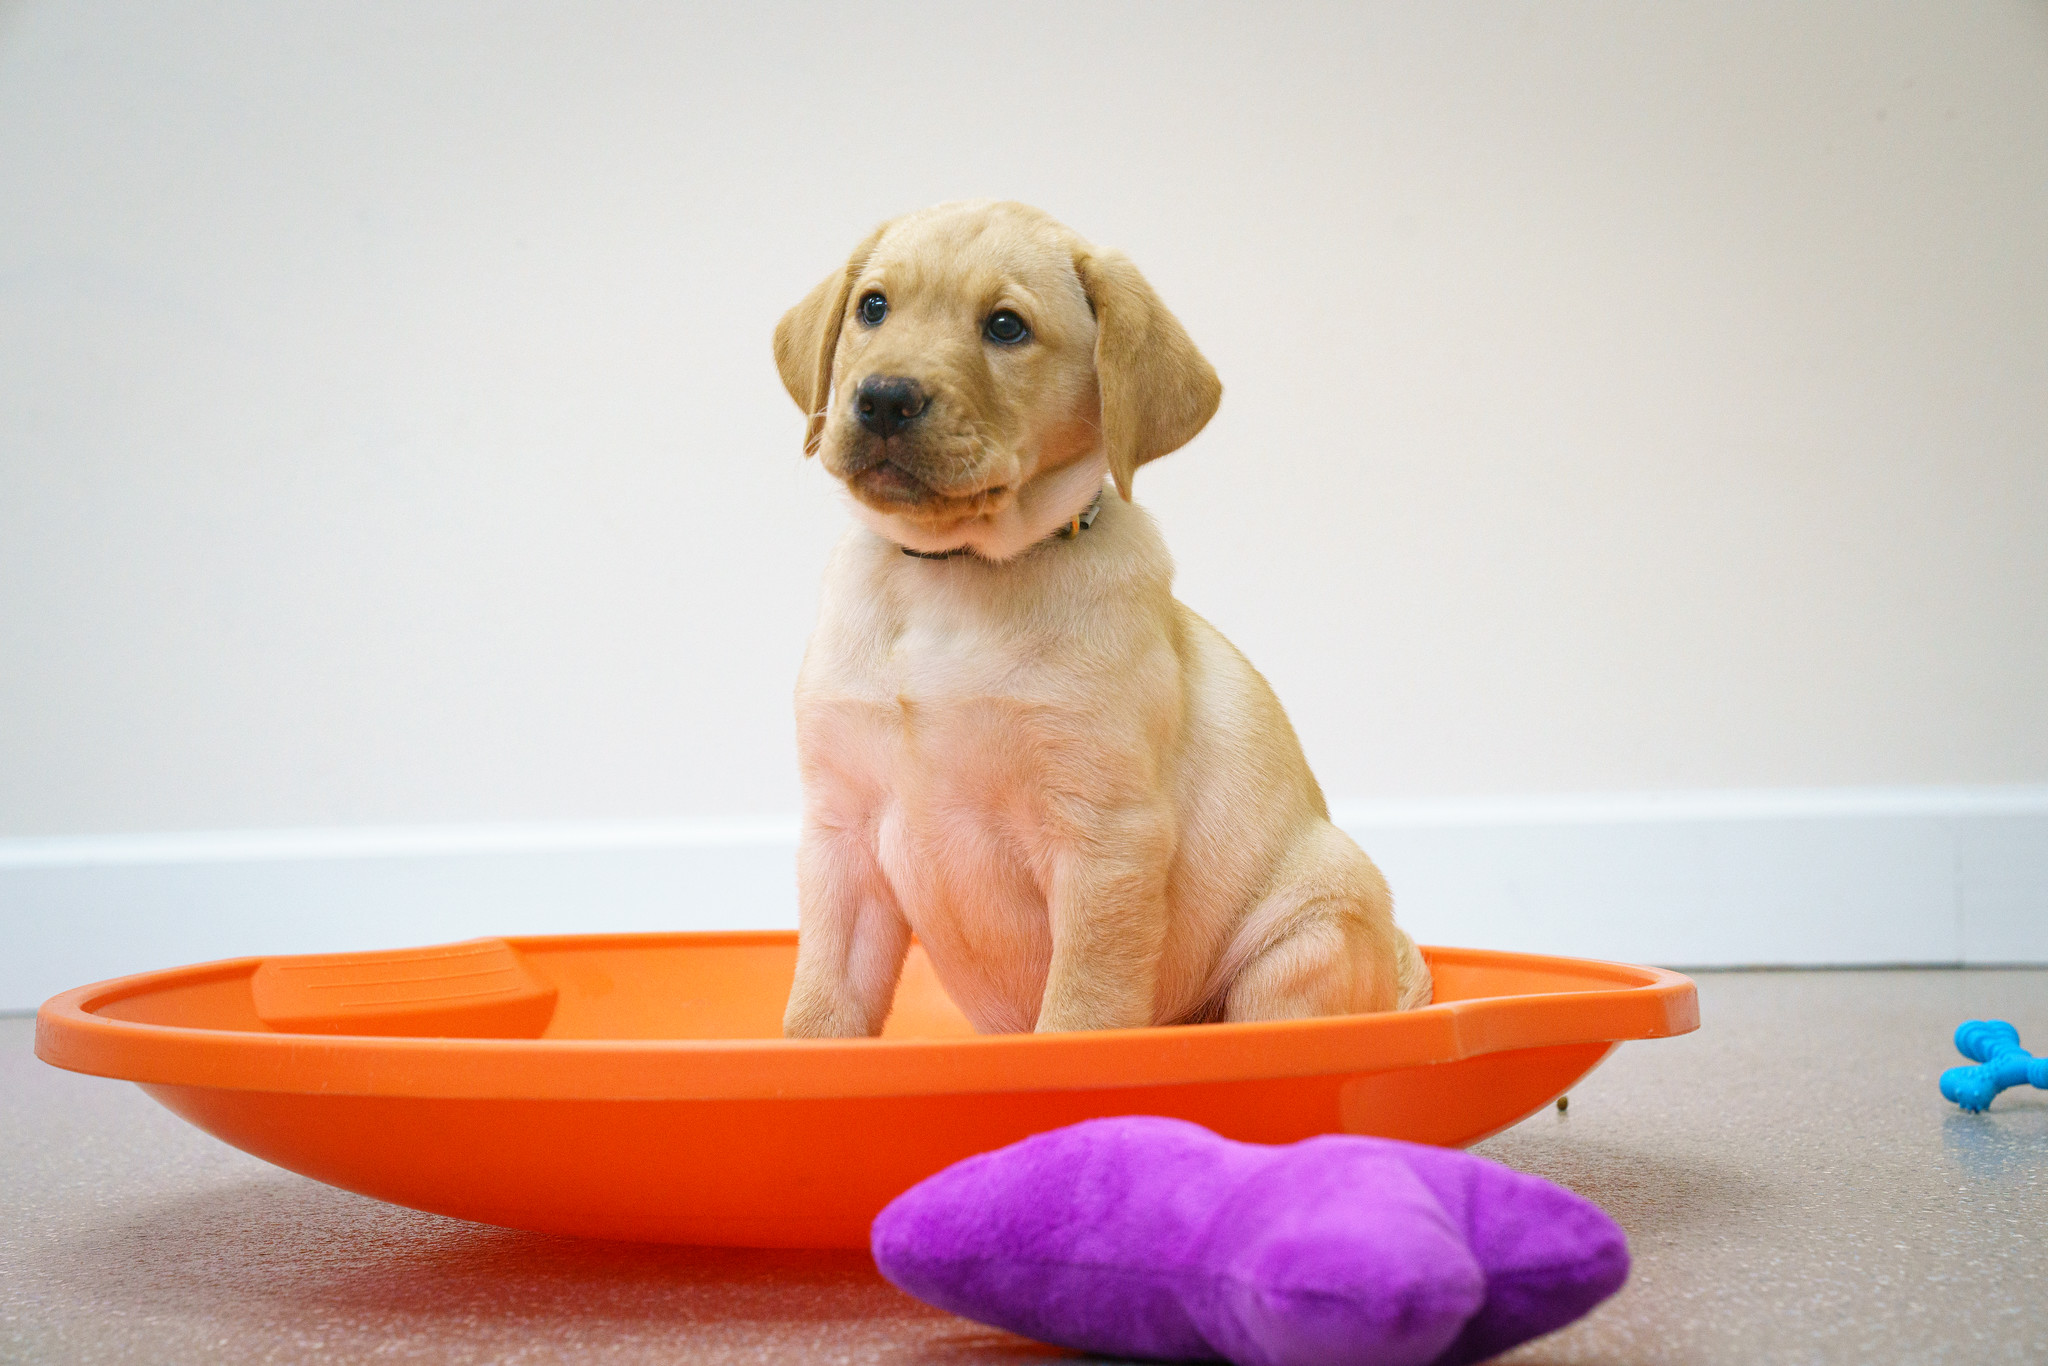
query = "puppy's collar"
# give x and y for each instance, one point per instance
(1082, 520)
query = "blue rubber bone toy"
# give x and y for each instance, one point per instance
(1996, 1047)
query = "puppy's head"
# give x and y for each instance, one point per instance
(967, 350)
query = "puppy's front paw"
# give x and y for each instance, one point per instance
(1072, 1016)
(821, 1018)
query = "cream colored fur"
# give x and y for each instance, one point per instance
(1083, 801)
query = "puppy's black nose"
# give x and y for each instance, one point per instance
(888, 403)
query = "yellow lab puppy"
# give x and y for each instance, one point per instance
(1084, 802)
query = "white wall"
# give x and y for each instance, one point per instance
(1619, 397)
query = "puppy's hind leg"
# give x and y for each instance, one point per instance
(1327, 943)
(851, 938)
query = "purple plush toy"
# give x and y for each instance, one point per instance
(1147, 1237)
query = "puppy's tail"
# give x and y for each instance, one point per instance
(1411, 973)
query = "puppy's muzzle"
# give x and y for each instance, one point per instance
(886, 404)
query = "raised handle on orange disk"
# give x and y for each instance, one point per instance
(482, 989)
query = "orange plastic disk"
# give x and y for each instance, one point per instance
(638, 1087)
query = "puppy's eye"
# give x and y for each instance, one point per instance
(873, 308)
(1005, 328)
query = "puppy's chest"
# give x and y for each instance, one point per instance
(943, 708)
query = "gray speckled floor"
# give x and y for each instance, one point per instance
(1794, 1188)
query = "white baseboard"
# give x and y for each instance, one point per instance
(1859, 876)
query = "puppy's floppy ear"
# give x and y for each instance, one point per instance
(808, 335)
(1157, 390)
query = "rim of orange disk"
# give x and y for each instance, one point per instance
(1644, 1003)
